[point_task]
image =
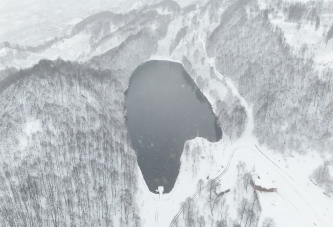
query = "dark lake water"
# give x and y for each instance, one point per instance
(165, 108)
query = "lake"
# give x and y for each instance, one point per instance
(165, 108)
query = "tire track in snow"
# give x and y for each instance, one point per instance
(204, 188)
(294, 188)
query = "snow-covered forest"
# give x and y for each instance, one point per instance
(265, 66)
(65, 155)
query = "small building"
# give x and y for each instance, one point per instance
(160, 191)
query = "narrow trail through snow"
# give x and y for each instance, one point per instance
(205, 187)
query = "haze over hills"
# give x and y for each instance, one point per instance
(265, 66)
(33, 22)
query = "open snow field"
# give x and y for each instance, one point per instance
(297, 202)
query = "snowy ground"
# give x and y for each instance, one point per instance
(297, 202)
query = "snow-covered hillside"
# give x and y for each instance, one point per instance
(65, 159)
(265, 66)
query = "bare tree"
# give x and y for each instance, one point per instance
(222, 223)
(246, 180)
(323, 178)
(268, 222)
(188, 213)
(212, 188)
(243, 206)
(201, 221)
(322, 174)
(200, 185)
